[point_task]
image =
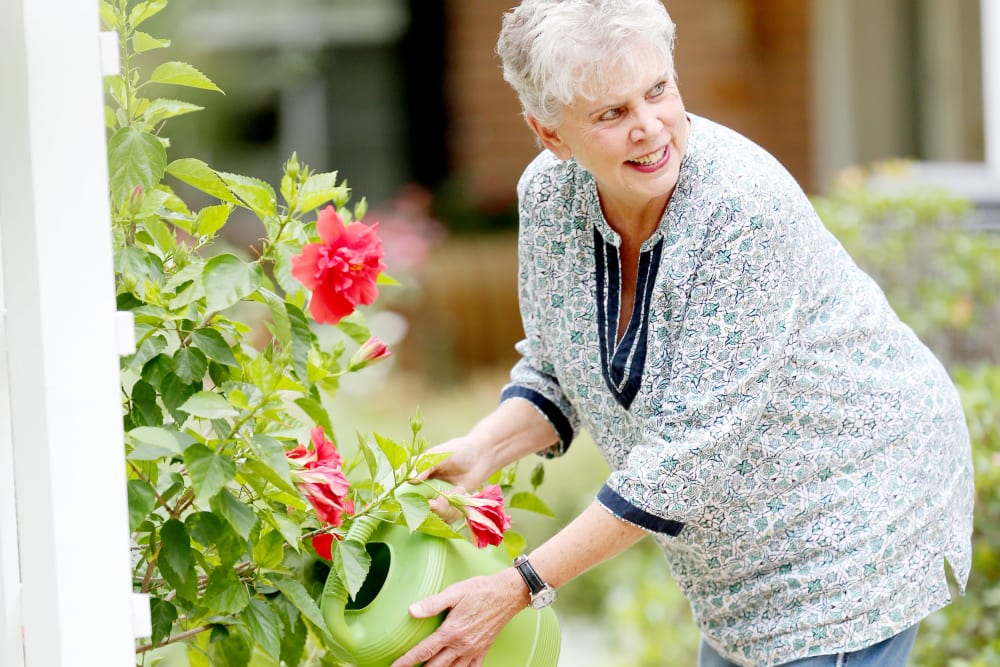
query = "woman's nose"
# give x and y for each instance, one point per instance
(646, 124)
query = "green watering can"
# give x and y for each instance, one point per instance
(376, 628)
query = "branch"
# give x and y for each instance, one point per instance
(187, 634)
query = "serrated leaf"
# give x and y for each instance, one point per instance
(138, 264)
(209, 471)
(145, 410)
(215, 347)
(190, 365)
(415, 509)
(257, 195)
(302, 341)
(272, 454)
(163, 614)
(514, 543)
(110, 16)
(208, 405)
(174, 560)
(316, 412)
(525, 500)
(269, 550)
(153, 442)
(320, 189)
(300, 599)
(239, 515)
(356, 562)
(263, 626)
(228, 279)
(231, 650)
(281, 326)
(355, 326)
(142, 42)
(395, 453)
(145, 10)
(182, 74)
(434, 525)
(211, 219)
(199, 175)
(225, 593)
(161, 109)
(141, 501)
(293, 642)
(174, 393)
(204, 527)
(287, 528)
(134, 159)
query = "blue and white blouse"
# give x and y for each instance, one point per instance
(801, 458)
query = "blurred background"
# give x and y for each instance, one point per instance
(882, 109)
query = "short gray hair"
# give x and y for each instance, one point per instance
(556, 50)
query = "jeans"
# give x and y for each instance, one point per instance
(892, 652)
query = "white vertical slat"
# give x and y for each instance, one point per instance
(68, 463)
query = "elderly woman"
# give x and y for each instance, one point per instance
(799, 456)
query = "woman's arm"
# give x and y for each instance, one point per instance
(480, 607)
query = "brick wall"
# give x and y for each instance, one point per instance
(744, 63)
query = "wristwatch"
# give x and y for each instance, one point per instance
(542, 595)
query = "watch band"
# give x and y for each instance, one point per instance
(530, 576)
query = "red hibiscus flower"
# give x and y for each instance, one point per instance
(319, 476)
(342, 270)
(323, 544)
(484, 514)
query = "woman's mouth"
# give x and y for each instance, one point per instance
(651, 161)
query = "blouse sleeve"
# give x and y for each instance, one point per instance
(731, 337)
(533, 377)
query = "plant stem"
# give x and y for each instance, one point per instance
(187, 634)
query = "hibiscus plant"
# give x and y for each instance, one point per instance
(240, 500)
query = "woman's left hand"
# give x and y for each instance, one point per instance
(479, 608)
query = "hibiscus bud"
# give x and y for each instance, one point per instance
(136, 196)
(372, 351)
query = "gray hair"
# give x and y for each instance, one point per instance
(556, 50)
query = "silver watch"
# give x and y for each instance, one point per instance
(542, 595)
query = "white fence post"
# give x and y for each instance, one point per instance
(64, 417)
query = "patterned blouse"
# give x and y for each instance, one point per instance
(799, 455)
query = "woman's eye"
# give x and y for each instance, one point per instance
(658, 89)
(611, 114)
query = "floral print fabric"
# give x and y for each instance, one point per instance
(801, 458)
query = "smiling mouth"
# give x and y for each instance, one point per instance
(651, 158)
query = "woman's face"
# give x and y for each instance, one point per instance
(631, 139)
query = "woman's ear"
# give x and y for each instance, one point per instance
(549, 138)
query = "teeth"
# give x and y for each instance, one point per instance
(652, 158)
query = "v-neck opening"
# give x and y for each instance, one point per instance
(623, 361)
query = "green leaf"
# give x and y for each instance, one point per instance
(526, 500)
(228, 279)
(385, 279)
(300, 599)
(199, 175)
(225, 593)
(134, 159)
(316, 412)
(211, 219)
(204, 527)
(286, 527)
(293, 642)
(174, 393)
(175, 561)
(280, 325)
(148, 349)
(239, 515)
(181, 74)
(145, 410)
(136, 263)
(153, 443)
(356, 562)
(161, 109)
(141, 501)
(302, 341)
(415, 509)
(190, 365)
(232, 650)
(355, 326)
(163, 615)
(272, 457)
(514, 543)
(142, 42)
(210, 471)
(257, 195)
(110, 16)
(208, 405)
(215, 347)
(537, 475)
(320, 189)
(434, 525)
(269, 550)
(145, 10)
(264, 627)
(395, 453)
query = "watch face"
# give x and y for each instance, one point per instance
(543, 598)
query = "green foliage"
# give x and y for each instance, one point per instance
(221, 534)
